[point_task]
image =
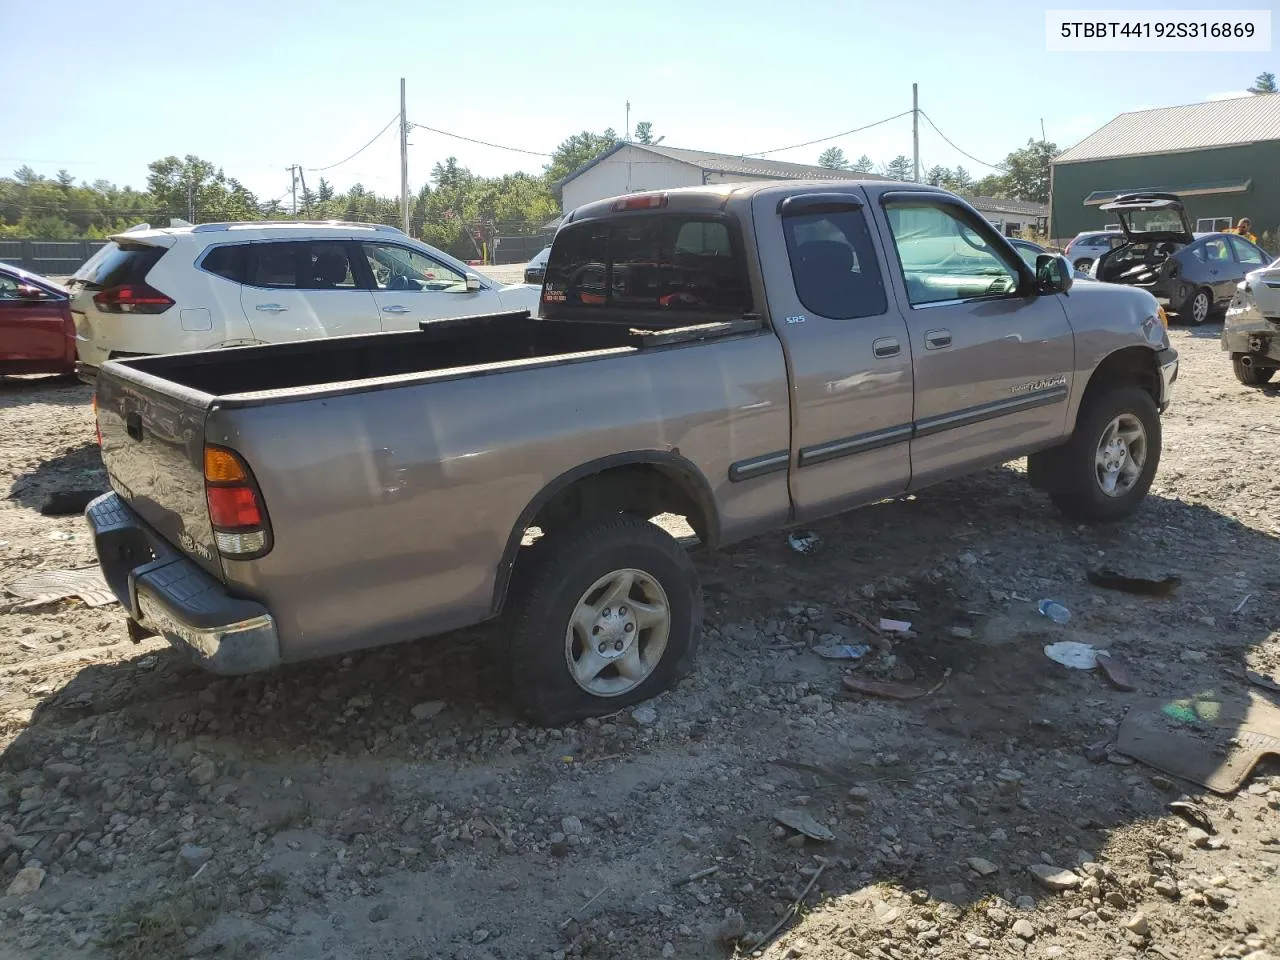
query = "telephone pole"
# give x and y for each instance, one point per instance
(404, 161)
(293, 187)
(915, 130)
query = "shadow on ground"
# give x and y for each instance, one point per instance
(1000, 763)
(63, 390)
(77, 468)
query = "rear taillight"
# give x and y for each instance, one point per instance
(235, 505)
(132, 298)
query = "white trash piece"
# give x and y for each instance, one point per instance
(1073, 654)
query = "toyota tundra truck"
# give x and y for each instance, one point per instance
(749, 357)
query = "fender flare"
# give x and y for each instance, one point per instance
(693, 480)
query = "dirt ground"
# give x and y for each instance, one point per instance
(390, 805)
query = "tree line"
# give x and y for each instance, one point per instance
(1024, 175)
(456, 210)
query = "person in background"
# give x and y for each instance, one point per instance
(1242, 229)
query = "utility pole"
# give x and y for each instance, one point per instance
(915, 130)
(404, 161)
(293, 187)
(191, 202)
(304, 189)
(626, 131)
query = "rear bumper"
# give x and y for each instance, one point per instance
(164, 591)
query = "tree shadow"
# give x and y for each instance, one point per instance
(77, 468)
(1000, 763)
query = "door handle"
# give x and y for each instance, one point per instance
(937, 339)
(395, 308)
(271, 307)
(886, 347)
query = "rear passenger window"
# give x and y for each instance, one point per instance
(311, 265)
(833, 263)
(226, 262)
(666, 263)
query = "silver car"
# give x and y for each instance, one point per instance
(1085, 248)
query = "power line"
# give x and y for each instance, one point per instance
(360, 151)
(834, 136)
(993, 166)
(483, 143)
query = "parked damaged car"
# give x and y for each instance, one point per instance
(1193, 275)
(1251, 333)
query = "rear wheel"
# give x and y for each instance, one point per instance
(1250, 374)
(1104, 471)
(1198, 306)
(608, 616)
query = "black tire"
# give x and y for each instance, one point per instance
(1188, 310)
(547, 592)
(1074, 486)
(1250, 376)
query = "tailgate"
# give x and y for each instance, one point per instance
(153, 448)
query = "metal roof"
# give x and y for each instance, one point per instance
(728, 164)
(997, 205)
(1195, 126)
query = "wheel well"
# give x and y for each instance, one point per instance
(1132, 365)
(644, 489)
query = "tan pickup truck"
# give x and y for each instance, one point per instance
(747, 356)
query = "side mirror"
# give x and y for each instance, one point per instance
(1054, 273)
(473, 283)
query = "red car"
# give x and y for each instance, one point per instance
(37, 334)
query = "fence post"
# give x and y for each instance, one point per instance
(28, 256)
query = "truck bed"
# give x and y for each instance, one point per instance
(463, 343)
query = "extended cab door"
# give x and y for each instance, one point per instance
(847, 352)
(993, 359)
(409, 286)
(306, 290)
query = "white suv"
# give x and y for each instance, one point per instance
(180, 288)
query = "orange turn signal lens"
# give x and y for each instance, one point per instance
(223, 466)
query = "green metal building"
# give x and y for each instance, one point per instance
(1222, 157)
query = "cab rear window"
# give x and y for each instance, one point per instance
(666, 263)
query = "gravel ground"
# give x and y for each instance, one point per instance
(390, 805)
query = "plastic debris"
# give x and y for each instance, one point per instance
(1073, 654)
(802, 822)
(61, 535)
(842, 651)
(1194, 814)
(895, 626)
(804, 541)
(1054, 611)
(1110, 580)
(46, 586)
(1240, 606)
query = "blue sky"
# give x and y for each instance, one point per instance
(256, 86)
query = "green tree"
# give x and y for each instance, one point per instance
(1264, 83)
(644, 133)
(938, 176)
(833, 158)
(992, 185)
(959, 180)
(324, 191)
(863, 164)
(195, 190)
(1027, 171)
(899, 168)
(577, 151)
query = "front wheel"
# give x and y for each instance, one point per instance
(608, 617)
(1250, 374)
(1104, 471)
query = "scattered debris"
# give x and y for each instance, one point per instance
(841, 651)
(1261, 680)
(983, 868)
(895, 626)
(804, 541)
(27, 881)
(1193, 813)
(577, 914)
(62, 502)
(905, 606)
(427, 709)
(962, 633)
(1073, 654)
(891, 689)
(1111, 580)
(696, 876)
(61, 535)
(1022, 927)
(1114, 671)
(802, 822)
(1212, 742)
(46, 586)
(791, 912)
(1139, 924)
(1053, 878)
(1240, 606)
(1054, 611)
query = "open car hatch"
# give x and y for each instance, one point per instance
(1147, 217)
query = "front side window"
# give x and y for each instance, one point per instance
(944, 257)
(1246, 252)
(8, 287)
(399, 268)
(833, 263)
